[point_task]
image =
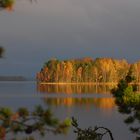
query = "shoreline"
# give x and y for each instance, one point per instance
(82, 83)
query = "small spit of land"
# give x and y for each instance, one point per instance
(12, 78)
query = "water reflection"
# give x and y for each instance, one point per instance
(103, 103)
(77, 95)
(74, 88)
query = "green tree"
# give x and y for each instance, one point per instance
(128, 101)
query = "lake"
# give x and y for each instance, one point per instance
(90, 105)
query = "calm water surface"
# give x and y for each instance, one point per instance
(91, 105)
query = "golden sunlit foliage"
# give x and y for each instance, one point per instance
(75, 88)
(100, 70)
(7, 4)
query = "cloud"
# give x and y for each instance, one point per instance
(36, 32)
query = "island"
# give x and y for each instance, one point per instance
(87, 71)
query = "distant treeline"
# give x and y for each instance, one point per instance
(12, 78)
(87, 70)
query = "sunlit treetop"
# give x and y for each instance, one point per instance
(7, 4)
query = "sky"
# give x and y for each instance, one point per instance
(35, 32)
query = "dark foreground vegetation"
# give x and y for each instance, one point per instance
(25, 122)
(128, 101)
(96, 133)
(1, 51)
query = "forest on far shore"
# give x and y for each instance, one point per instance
(100, 70)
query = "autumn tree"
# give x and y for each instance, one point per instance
(136, 70)
(7, 4)
(69, 71)
(86, 70)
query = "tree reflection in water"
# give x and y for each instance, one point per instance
(77, 94)
(74, 88)
(103, 103)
